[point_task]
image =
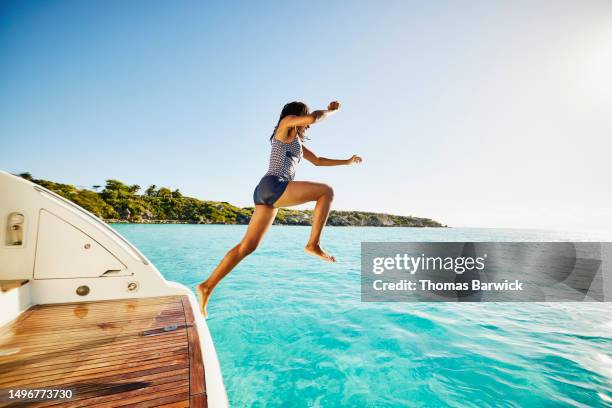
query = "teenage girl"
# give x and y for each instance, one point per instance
(278, 188)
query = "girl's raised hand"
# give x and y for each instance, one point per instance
(355, 159)
(334, 105)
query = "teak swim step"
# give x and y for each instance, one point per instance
(139, 352)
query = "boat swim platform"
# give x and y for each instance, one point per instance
(139, 352)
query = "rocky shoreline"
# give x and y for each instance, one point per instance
(336, 218)
(121, 203)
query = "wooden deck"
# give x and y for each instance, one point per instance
(117, 353)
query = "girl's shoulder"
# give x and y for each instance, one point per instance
(286, 139)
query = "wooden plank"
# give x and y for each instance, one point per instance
(102, 322)
(133, 327)
(125, 391)
(83, 311)
(149, 400)
(126, 325)
(197, 384)
(180, 404)
(97, 337)
(198, 401)
(44, 379)
(69, 308)
(34, 373)
(56, 322)
(144, 352)
(137, 301)
(114, 353)
(110, 392)
(95, 346)
(61, 320)
(102, 385)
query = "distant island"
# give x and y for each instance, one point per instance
(119, 202)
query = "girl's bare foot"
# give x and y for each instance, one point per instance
(203, 295)
(315, 250)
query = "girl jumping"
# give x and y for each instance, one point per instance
(278, 189)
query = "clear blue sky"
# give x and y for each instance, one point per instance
(487, 113)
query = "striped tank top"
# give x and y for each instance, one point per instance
(284, 158)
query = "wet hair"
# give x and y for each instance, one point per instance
(295, 109)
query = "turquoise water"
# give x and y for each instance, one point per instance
(291, 330)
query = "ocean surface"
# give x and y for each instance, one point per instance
(291, 330)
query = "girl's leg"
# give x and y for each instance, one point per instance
(300, 192)
(262, 218)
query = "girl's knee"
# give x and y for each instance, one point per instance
(328, 192)
(246, 248)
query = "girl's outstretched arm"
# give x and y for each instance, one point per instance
(314, 117)
(323, 161)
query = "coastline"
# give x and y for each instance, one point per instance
(121, 203)
(303, 218)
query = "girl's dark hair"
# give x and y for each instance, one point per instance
(295, 109)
